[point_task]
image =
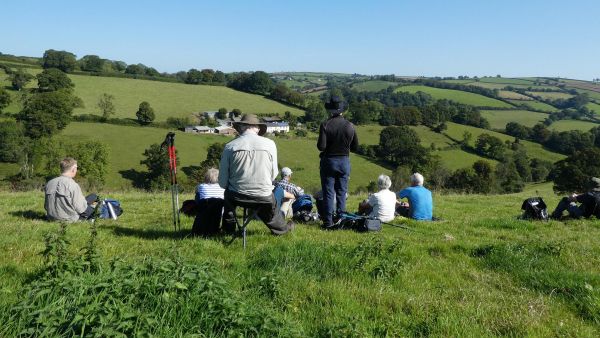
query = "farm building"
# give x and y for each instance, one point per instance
(280, 127)
(225, 130)
(199, 129)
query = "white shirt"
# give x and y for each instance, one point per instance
(208, 190)
(384, 205)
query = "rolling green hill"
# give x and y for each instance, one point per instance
(499, 118)
(373, 85)
(457, 96)
(128, 143)
(565, 125)
(480, 272)
(535, 105)
(534, 150)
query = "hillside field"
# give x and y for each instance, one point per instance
(168, 99)
(479, 272)
(566, 125)
(457, 96)
(499, 118)
(535, 105)
(373, 85)
(128, 143)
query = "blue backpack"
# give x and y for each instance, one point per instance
(110, 209)
(303, 203)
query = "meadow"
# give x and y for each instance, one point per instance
(373, 85)
(534, 150)
(566, 125)
(507, 94)
(168, 99)
(550, 95)
(499, 118)
(535, 105)
(127, 145)
(595, 107)
(457, 96)
(479, 272)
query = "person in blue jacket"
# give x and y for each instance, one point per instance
(420, 203)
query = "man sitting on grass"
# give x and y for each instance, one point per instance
(589, 203)
(64, 200)
(420, 202)
(291, 191)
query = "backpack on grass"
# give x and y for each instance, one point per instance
(110, 208)
(534, 208)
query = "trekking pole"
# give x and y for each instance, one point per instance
(170, 143)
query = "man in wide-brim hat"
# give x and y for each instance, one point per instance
(337, 137)
(250, 120)
(589, 203)
(246, 172)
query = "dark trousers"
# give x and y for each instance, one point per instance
(267, 207)
(335, 173)
(208, 216)
(566, 204)
(88, 213)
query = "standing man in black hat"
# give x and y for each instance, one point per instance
(337, 137)
(590, 203)
(247, 169)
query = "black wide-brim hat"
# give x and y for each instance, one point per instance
(251, 120)
(336, 105)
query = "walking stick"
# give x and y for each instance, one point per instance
(170, 143)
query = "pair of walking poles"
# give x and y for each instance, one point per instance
(170, 144)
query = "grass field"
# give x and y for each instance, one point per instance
(551, 95)
(506, 81)
(457, 96)
(499, 118)
(167, 99)
(534, 150)
(128, 143)
(565, 125)
(536, 105)
(468, 81)
(373, 85)
(594, 107)
(456, 158)
(480, 272)
(507, 94)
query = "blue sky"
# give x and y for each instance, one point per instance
(430, 38)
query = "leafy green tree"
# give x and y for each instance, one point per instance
(13, 143)
(150, 71)
(5, 99)
(522, 164)
(509, 180)
(221, 114)
(62, 60)
(540, 169)
(402, 146)
(194, 76)
(46, 113)
(315, 112)
(178, 122)
(19, 79)
(91, 63)
(157, 162)
(260, 82)
(138, 69)
(207, 75)
(490, 146)
(106, 106)
(236, 112)
(53, 79)
(92, 159)
(219, 77)
(573, 173)
(145, 113)
(119, 66)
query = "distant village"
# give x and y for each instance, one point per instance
(275, 124)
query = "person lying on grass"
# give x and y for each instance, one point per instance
(382, 204)
(420, 202)
(589, 203)
(64, 200)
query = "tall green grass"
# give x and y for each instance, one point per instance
(480, 272)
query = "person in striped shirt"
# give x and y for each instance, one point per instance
(210, 188)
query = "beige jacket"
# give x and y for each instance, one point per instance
(64, 200)
(249, 165)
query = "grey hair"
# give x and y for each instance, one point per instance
(211, 176)
(417, 179)
(243, 127)
(384, 182)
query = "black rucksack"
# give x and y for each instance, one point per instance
(534, 208)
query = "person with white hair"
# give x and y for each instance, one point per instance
(382, 204)
(420, 202)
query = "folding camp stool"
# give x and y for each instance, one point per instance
(250, 212)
